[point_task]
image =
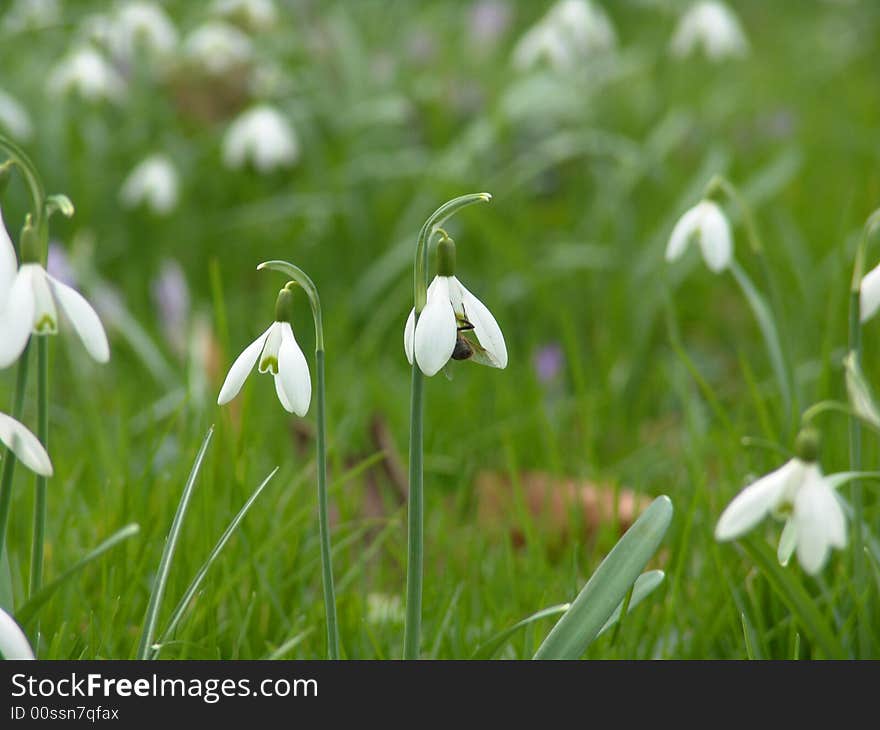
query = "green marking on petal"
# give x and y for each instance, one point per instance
(269, 363)
(45, 325)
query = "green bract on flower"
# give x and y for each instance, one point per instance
(278, 353)
(801, 494)
(26, 447)
(706, 223)
(28, 298)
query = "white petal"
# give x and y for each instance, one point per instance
(45, 315)
(83, 318)
(26, 447)
(787, 542)
(293, 370)
(241, 368)
(16, 318)
(682, 233)
(8, 261)
(13, 642)
(820, 523)
(870, 294)
(436, 330)
(753, 503)
(408, 334)
(486, 328)
(715, 238)
(282, 396)
(269, 357)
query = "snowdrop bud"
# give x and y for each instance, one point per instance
(446, 257)
(806, 446)
(284, 304)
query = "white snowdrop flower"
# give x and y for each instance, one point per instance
(707, 223)
(153, 183)
(713, 27)
(218, 47)
(869, 294)
(262, 136)
(451, 313)
(32, 15)
(801, 494)
(253, 14)
(383, 608)
(29, 301)
(86, 72)
(571, 31)
(14, 118)
(26, 447)
(276, 351)
(144, 25)
(13, 642)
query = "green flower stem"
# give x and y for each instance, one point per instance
(32, 178)
(308, 286)
(416, 516)
(9, 457)
(39, 532)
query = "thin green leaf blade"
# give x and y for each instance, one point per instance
(608, 585)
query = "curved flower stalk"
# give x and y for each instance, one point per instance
(710, 26)
(262, 137)
(13, 642)
(415, 511)
(278, 352)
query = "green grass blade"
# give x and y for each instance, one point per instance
(799, 602)
(645, 584)
(289, 645)
(203, 571)
(608, 585)
(29, 609)
(152, 615)
(490, 648)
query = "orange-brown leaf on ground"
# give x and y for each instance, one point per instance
(556, 503)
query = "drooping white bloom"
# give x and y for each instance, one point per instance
(450, 312)
(29, 301)
(253, 14)
(713, 27)
(262, 136)
(13, 642)
(141, 24)
(278, 353)
(869, 294)
(87, 73)
(154, 183)
(798, 489)
(14, 118)
(26, 447)
(707, 223)
(31, 15)
(218, 47)
(570, 32)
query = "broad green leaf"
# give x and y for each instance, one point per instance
(608, 586)
(644, 585)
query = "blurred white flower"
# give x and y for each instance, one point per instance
(171, 297)
(253, 14)
(154, 183)
(140, 24)
(262, 136)
(14, 118)
(26, 447)
(279, 354)
(13, 642)
(217, 47)
(570, 32)
(707, 223)
(384, 609)
(806, 498)
(712, 26)
(86, 72)
(32, 15)
(451, 310)
(28, 299)
(870, 294)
